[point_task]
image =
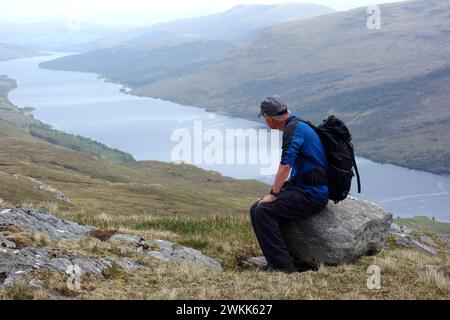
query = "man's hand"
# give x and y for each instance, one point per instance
(280, 179)
(268, 198)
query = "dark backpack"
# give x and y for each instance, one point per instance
(336, 140)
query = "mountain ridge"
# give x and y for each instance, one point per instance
(53, 35)
(9, 51)
(218, 26)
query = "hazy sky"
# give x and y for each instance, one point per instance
(135, 12)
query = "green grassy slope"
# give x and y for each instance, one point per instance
(426, 225)
(19, 118)
(106, 185)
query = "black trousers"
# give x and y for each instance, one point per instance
(292, 204)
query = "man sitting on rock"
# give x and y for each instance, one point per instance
(304, 194)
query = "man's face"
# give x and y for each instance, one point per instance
(270, 122)
(275, 123)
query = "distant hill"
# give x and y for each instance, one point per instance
(141, 56)
(8, 52)
(56, 36)
(232, 23)
(137, 66)
(240, 20)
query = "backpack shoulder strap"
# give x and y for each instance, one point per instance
(307, 157)
(356, 170)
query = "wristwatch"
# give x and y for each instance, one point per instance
(275, 194)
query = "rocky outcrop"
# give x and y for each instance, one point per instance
(254, 263)
(339, 234)
(42, 222)
(46, 188)
(165, 250)
(428, 241)
(169, 251)
(16, 260)
(404, 237)
(5, 243)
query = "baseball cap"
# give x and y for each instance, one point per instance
(272, 106)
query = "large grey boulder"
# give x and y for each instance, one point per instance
(46, 188)
(339, 234)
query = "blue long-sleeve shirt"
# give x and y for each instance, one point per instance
(300, 139)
